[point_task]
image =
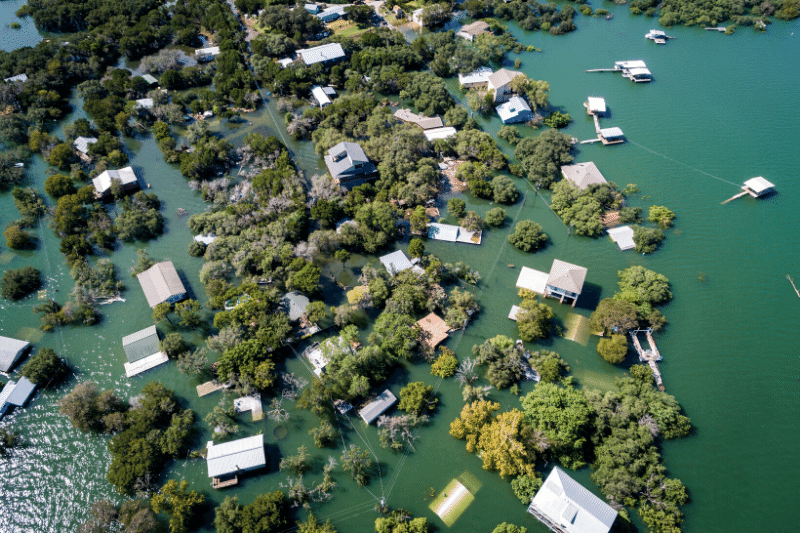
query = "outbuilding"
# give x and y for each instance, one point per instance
(325, 53)
(319, 95)
(378, 406)
(143, 351)
(758, 186)
(11, 351)
(161, 283)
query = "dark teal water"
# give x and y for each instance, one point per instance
(721, 110)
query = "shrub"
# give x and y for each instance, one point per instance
(613, 349)
(445, 365)
(504, 190)
(528, 236)
(19, 283)
(457, 207)
(495, 217)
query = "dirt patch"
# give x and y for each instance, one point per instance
(456, 184)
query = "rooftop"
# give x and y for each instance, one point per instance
(149, 78)
(476, 28)
(294, 304)
(435, 330)
(141, 344)
(515, 309)
(440, 133)
(161, 283)
(758, 185)
(566, 276)
(623, 236)
(211, 51)
(480, 75)
(503, 77)
(570, 507)
(610, 133)
(10, 352)
(426, 123)
(345, 158)
(635, 63)
(126, 176)
(377, 406)
(19, 77)
(145, 363)
(145, 103)
(236, 456)
(322, 53)
(597, 104)
(581, 175)
(82, 144)
(396, 262)
(515, 110)
(533, 280)
(320, 96)
(21, 393)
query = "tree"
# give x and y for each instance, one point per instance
(58, 185)
(173, 344)
(647, 240)
(510, 134)
(614, 349)
(312, 526)
(639, 286)
(62, 156)
(189, 313)
(525, 487)
(87, 407)
(16, 238)
(316, 311)
(143, 262)
(511, 528)
(446, 364)
(416, 397)
(19, 283)
(418, 219)
(617, 316)
(549, 365)
(416, 248)
(193, 362)
(297, 464)
(542, 157)
(400, 521)
(660, 215)
(496, 217)
(266, 513)
(162, 311)
(45, 368)
(306, 279)
(361, 15)
(534, 321)
(358, 463)
(457, 207)
(222, 420)
(503, 190)
(528, 236)
(175, 501)
(472, 221)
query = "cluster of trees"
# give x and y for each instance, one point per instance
(45, 369)
(713, 13)
(542, 157)
(528, 236)
(583, 209)
(533, 15)
(19, 283)
(268, 512)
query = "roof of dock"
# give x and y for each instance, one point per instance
(758, 184)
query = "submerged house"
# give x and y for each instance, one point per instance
(206, 54)
(81, 144)
(434, 330)
(15, 395)
(126, 176)
(378, 406)
(161, 283)
(514, 111)
(397, 262)
(565, 506)
(426, 123)
(294, 305)
(564, 281)
(317, 353)
(227, 460)
(348, 164)
(470, 31)
(11, 350)
(143, 351)
(581, 175)
(500, 83)
(476, 78)
(623, 236)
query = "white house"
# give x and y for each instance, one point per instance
(126, 176)
(324, 53)
(476, 78)
(564, 280)
(416, 17)
(515, 110)
(623, 236)
(565, 506)
(319, 95)
(500, 83)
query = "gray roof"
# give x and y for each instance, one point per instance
(322, 53)
(19, 77)
(5, 393)
(21, 393)
(515, 110)
(567, 276)
(568, 504)
(396, 262)
(82, 143)
(126, 176)
(236, 456)
(610, 133)
(160, 283)
(476, 28)
(149, 78)
(10, 352)
(582, 175)
(294, 303)
(376, 407)
(426, 123)
(348, 159)
(332, 11)
(141, 344)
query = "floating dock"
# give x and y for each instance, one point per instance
(718, 28)
(755, 187)
(651, 356)
(658, 36)
(634, 70)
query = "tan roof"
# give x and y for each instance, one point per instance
(160, 283)
(582, 175)
(503, 77)
(435, 330)
(426, 123)
(567, 276)
(476, 28)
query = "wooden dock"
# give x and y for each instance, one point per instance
(651, 356)
(217, 484)
(604, 70)
(210, 386)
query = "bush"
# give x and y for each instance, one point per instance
(647, 239)
(416, 248)
(19, 283)
(534, 321)
(45, 368)
(528, 236)
(614, 349)
(557, 119)
(173, 344)
(457, 207)
(504, 190)
(197, 249)
(17, 238)
(59, 185)
(495, 217)
(446, 364)
(661, 216)
(472, 221)
(525, 487)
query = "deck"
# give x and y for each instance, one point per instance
(217, 484)
(651, 356)
(250, 403)
(210, 386)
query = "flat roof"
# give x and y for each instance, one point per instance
(480, 75)
(534, 280)
(439, 133)
(435, 328)
(610, 133)
(378, 406)
(442, 232)
(623, 236)
(515, 309)
(633, 63)
(236, 456)
(597, 104)
(758, 184)
(10, 351)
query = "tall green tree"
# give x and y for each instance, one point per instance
(178, 502)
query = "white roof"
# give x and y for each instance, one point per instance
(758, 184)
(639, 71)
(656, 33)
(443, 232)
(568, 504)
(205, 239)
(515, 309)
(480, 75)
(6, 392)
(10, 350)
(337, 10)
(82, 143)
(320, 96)
(103, 182)
(534, 280)
(211, 51)
(515, 110)
(286, 61)
(377, 406)
(582, 175)
(236, 456)
(623, 236)
(439, 133)
(636, 63)
(396, 262)
(149, 78)
(597, 104)
(610, 133)
(146, 103)
(19, 77)
(322, 53)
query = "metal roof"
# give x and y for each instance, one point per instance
(515, 110)
(332, 11)
(348, 159)
(426, 123)
(126, 175)
(377, 406)
(5, 393)
(610, 133)
(145, 103)
(639, 71)
(141, 344)
(396, 262)
(319, 94)
(149, 78)
(480, 75)
(294, 304)
(533, 280)
(160, 283)
(635, 63)
(82, 143)
(567, 276)
(322, 53)
(19, 77)
(442, 232)
(582, 175)
(439, 133)
(758, 184)
(623, 236)
(597, 104)
(211, 51)
(568, 504)
(236, 456)
(10, 352)
(22, 392)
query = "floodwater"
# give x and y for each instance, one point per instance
(721, 110)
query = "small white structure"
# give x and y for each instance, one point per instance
(331, 13)
(235, 457)
(81, 144)
(285, 62)
(396, 262)
(440, 133)
(321, 54)
(514, 111)
(10, 352)
(611, 135)
(144, 103)
(596, 105)
(15, 395)
(758, 186)
(565, 506)
(635, 70)
(533, 280)
(450, 233)
(476, 78)
(500, 83)
(581, 175)
(206, 54)
(515, 309)
(623, 236)
(416, 17)
(19, 77)
(126, 176)
(378, 406)
(205, 239)
(319, 95)
(149, 78)
(312, 8)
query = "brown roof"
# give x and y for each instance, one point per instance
(161, 282)
(567, 276)
(426, 123)
(476, 28)
(434, 330)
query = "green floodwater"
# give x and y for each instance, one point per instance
(721, 110)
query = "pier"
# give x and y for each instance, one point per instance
(651, 356)
(718, 28)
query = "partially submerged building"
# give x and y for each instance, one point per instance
(15, 394)
(325, 53)
(426, 123)
(397, 262)
(565, 506)
(149, 78)
(228, 460)
(500, 83)
(564, 281)
(758, 186)
(611, 135)
(206, 54)
(348, 164)
(514, 111)
(378, 406)
(319, 354)
(11, 351)
(581, 175)
(451, 233)
(161, 283)
(596, 105)
(634, 70)
(623, 236)
(470, 31)
(434, 330)
(476, 78)
(81, 144)
(143, 351)
(126, 176)
(22, 78)
(294, 304)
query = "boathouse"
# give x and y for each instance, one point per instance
(161, 283)
(581, 175)
(126, 176)
(758, 186)
(514, 111)
(378, 406)
(595, 105)
(434, 330)
(11, 351)
(227, 460)
(15, 395)
(348, 164)
(143, 351)
(611, 135)
(565, 506)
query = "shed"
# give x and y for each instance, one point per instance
(596, 105)
(161, 283)
(514, 111)
(149, 78)
(564, 505)
(565, 281)
(294, 304)
(126, 176)
(141, 344)
(378, 406)
(396, 262)
(81, 144)
(236, 456)
(440, 133)
(10, 352)
(319, 95)
(321, 54)
(623, 236)
(285, 62)
(533, 280)
(581, 175)
(758, 186)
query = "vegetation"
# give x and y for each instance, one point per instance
(582, 209)
(45, 368)
(417, 398)
(496, 217)
(268, 512)
(178, 502)
(661, 216)
(19, 283)
(528, 236)
(446, 364)
(542, 157)
(647, 240)
(613, 349)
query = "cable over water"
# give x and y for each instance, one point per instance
(683, 164)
